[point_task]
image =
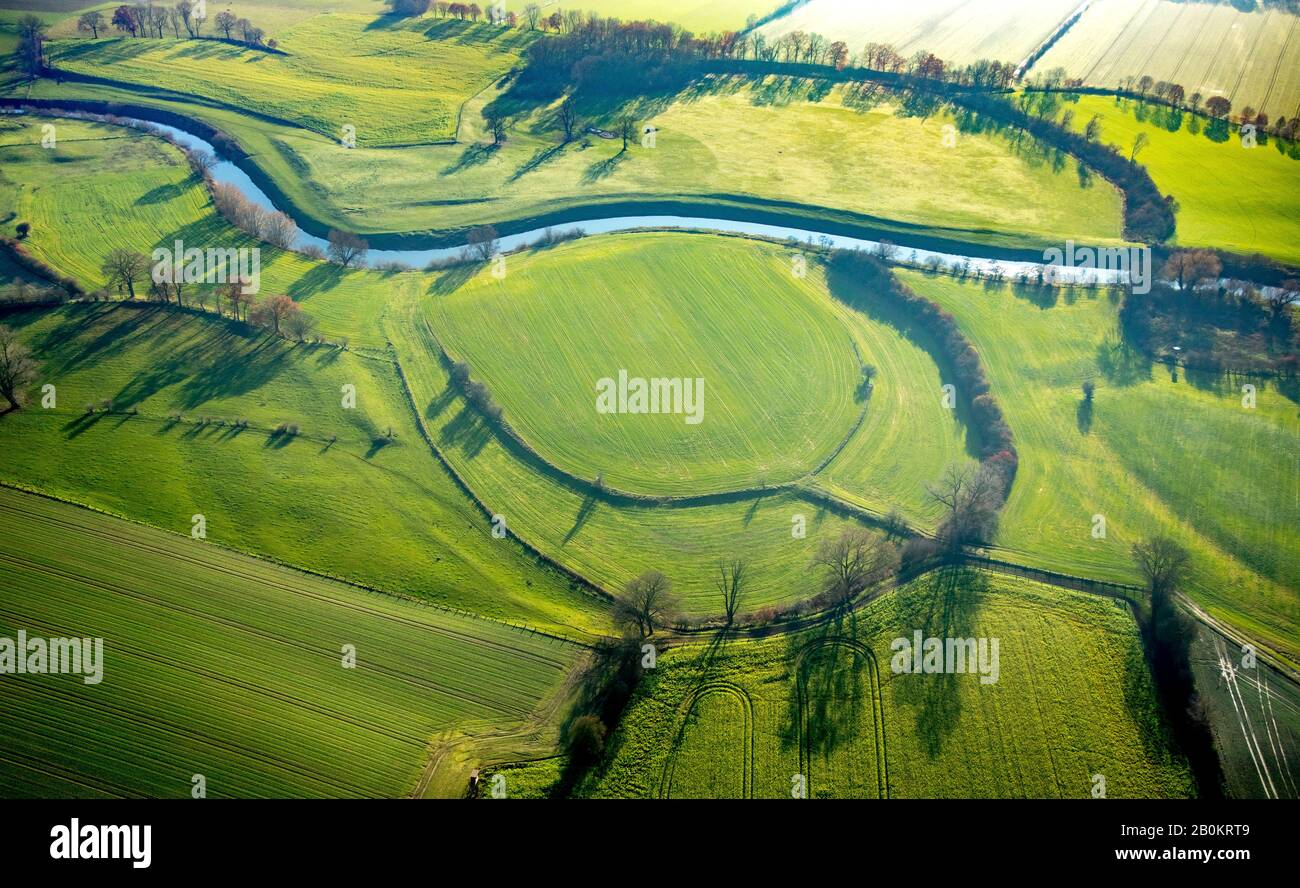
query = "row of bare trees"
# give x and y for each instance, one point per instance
(127, 273)
(184, 19)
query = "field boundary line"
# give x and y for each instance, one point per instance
(269, 560)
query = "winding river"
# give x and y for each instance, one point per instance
(226, 171)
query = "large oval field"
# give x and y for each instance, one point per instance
(778, 371)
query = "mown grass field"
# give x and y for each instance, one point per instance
(1229, 196)
(395, 81)
(1210, 48)
(958, 31)
(741, 718)
(337, 498)
(780, 383)
(1155, 454)
(224, 666)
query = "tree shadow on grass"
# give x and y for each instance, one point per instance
(473, 155)
(603, 169)
(585, 511)
(539, 159)
(943, 605)
(467, 431)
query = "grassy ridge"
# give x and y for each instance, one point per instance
(309, 499)
(854, 728)
(212, 660)
(1152, 455)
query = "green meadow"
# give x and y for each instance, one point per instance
(1229, 196)
(769, 368)
(1177, 454)
(223, 666)
(740, 719)
(173, 447)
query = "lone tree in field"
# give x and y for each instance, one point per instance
(1190, 267)
(646, 603)
(1092, 132)
(483, 242)
(1140, 141)
(972, 496)
(346, 248)
(1164, 567)
(1089, 390)
(627, 129)
(17, 369)
(496, 124)
(91, 21)
(568, 115)
(124, 269)
(731, 585)
(853, 561)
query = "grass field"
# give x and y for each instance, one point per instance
(1229, 196)
(742, 718)
(780, 381)
(1154, 455)
(957, 31)
(396, 81)
(694, 15)
(105, 187)
(224, 666)
(260, 491)
(1210, 48)
(905, 441)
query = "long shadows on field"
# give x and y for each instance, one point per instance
(943, 604)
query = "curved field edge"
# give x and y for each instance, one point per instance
(1073, 699)
(1154, 453)
(211, 657)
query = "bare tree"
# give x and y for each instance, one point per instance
(972, 496)
(1140, 141)
(853, 561)
(1190, 267)
(496, 124)
(1278, 298)
(91, 21)
(346, 248)
(124, 269)
(1163, 564)
(646, 603)
(226, 21)
(17, 368)
(627, 129)
(731, 585)
(568, 117)
(483, 242)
